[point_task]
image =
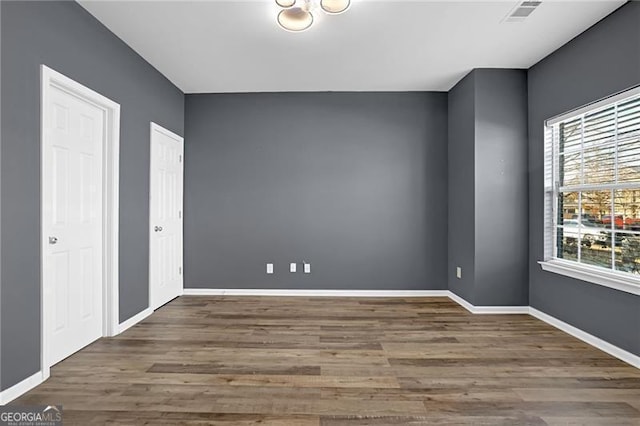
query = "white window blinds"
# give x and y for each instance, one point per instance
(592, 184)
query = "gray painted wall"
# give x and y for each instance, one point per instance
(65, 37)
(461, 191)
(501, 187)
(601, 61)
(354, 183)
(488, 187)
(0, 201)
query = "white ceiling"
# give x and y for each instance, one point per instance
(236, 46)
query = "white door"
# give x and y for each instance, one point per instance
(72, 222)
(165, 264)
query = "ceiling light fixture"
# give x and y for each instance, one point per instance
(297, 16)
(285, 3)
(335, 7)
(295, 19)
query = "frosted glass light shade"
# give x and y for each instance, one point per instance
(295, 19)
(285, 3)
(334, 7)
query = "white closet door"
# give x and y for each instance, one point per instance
(166, 192)
(73, 222)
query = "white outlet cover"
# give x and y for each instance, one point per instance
(307, 268)
(458, 272)
(293, 267)
(269, 268)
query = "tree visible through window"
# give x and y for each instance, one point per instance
(592, 183)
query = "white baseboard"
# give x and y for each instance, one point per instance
(460, 301)
(314, 293)
(20, 388)
(597, 342)
(203, 292)
(134, 320)
(488, 309)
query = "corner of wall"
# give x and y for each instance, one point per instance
(1, 26)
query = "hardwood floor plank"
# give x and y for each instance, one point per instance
(501, 361)
(428, 420)
(588, 421)
(536, 408)
(630, 396)
(84, 418)
(222, 369)
(519, 382)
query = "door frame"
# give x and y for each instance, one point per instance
(158, 128)
(50, 79)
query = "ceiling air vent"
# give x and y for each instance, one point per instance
(521, 11)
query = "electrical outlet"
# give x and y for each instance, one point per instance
(293, 267)
(269, 268)
(458, 272)
(307, 268)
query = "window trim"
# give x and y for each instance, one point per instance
(622, 281)
(604, 277)
(628, 93)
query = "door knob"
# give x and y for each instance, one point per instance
(157, 228)
(53, 240)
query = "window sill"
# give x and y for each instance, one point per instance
(615, 280)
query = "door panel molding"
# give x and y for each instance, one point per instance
(52, 80)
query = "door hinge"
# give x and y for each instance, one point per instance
(180, 158)
(180, 270)
(179, 214)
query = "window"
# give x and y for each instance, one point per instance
(592, 192)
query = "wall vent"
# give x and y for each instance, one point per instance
(521, 11)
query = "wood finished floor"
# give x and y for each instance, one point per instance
(339, 361)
